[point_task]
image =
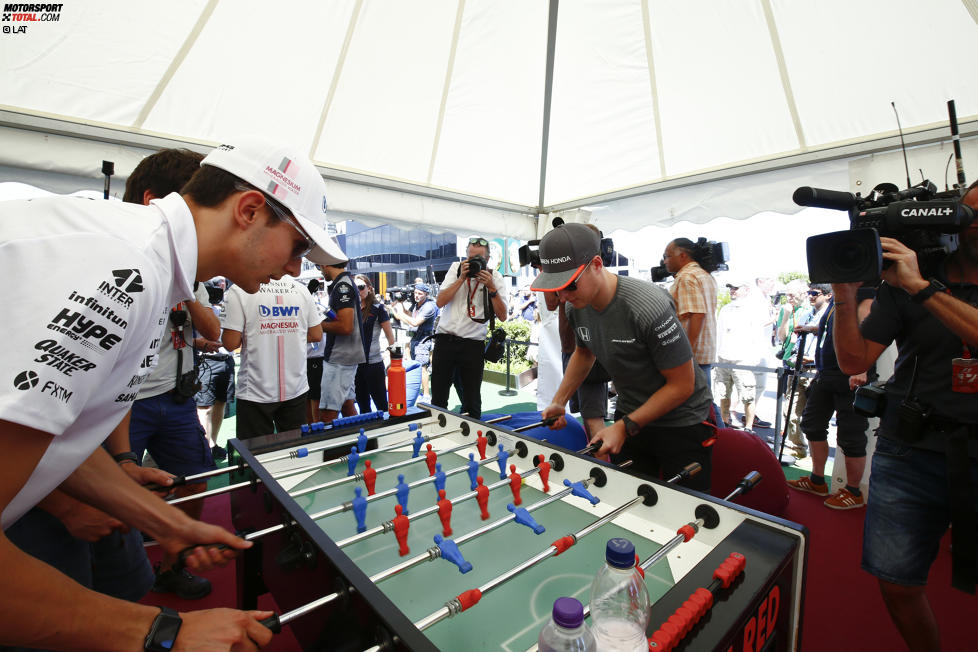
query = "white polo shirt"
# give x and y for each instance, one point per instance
(455, 315)
(273, 323)
(82, 323)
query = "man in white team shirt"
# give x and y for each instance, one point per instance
(81, 338)
(272, 328)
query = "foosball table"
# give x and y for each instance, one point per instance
(434, 531)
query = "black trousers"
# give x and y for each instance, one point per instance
(457, 353)
(828, 395)
(258, 419)
(370, 384)
(662, 452)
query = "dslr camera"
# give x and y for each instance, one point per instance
(710, 255)
(476, 265)
(925, 220)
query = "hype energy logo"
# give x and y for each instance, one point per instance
(283, 179)
(17, 17)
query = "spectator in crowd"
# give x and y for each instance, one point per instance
(739, 343)
(216, 367)
(422, 320)
(371, 381)
(631, 326)
(469, 295)
(695, 294)
(344, 350)
(314, 357)
(164, 416)
(764, 294)
(796, 310)
(818, 301)
(833, 392)
(119, 276)
(527, 305)
(272, 328)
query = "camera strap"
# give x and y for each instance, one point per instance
(470, 295)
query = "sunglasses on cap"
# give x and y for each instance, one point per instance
(481, 242)
(572, 286)
(301, 249)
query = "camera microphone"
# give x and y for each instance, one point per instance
(819, 198)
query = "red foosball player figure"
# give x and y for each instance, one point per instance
(482, 497)
(515, 482)
(369, 477)
(401, 525)
(544, 467)
(445, 513)
(481, 441)
(430, 458)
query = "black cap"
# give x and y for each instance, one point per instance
(563, 254)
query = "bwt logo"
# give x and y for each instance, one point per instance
(278, 311)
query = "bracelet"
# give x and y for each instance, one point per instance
(128, 456)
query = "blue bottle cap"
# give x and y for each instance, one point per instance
(620, 553)
(568, 613)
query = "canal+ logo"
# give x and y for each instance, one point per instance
(278, 311)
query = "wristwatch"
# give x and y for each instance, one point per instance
(163, 632)
(929, 291)
(128, 455)
(631, 428)
(493, 295)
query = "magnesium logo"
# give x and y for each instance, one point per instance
(26, 380)
(128, 280)
(278, 311)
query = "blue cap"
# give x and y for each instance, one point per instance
(568, 613)
(423, 287)
(620, 553)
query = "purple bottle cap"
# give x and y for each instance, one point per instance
(620, 553)
(568, 613)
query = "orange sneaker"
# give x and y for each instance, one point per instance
(805, 483)
(845, 499)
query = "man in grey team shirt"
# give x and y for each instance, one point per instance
(631, 327)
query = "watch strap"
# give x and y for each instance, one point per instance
(128, 455)
(933, 288)
(631, 428)
(163, 632)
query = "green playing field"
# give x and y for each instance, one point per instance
(509, 617)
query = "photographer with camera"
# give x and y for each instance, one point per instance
(422, 320)
(469, 296)
(925, 467)
(632, 328)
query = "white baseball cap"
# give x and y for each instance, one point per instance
(286, 174)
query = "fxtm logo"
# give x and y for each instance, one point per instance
(278, 311)
(26, 380)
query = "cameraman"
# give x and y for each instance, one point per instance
(695, 294)
(422, 320)
(461, 333)
(925, 468)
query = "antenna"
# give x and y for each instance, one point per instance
(952, 115)
(903, 145)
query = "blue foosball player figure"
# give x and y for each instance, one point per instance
(449, 550)
(501, 460)
(402, 493)
(360, 509)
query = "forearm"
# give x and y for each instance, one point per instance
(578, 366)
(499, 307)
(205, 321)
(43, 608)
(447, 293)
(118, 440)
(852, 350)
(666, 399)
(959, 317)
(694, 326)
(100, 482)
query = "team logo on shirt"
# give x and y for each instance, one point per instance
(26, 380)
(61, 359)
(278, 311)
(129, 280)
(584, 333)
(84, 330)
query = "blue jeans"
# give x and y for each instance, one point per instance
(171, 432)
(908, 512)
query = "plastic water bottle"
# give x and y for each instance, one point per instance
(566, 631)
(619, 601)
(396, 385)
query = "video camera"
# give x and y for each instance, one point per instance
(925, 220)
(401, 292)
(530, 252)
(710, 255)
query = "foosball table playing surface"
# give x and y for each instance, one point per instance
(361, 552)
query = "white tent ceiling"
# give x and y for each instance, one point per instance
(442, 113)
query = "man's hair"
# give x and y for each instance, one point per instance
(161, 173)
(685, 244)
(210, 186)
(824, 288)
